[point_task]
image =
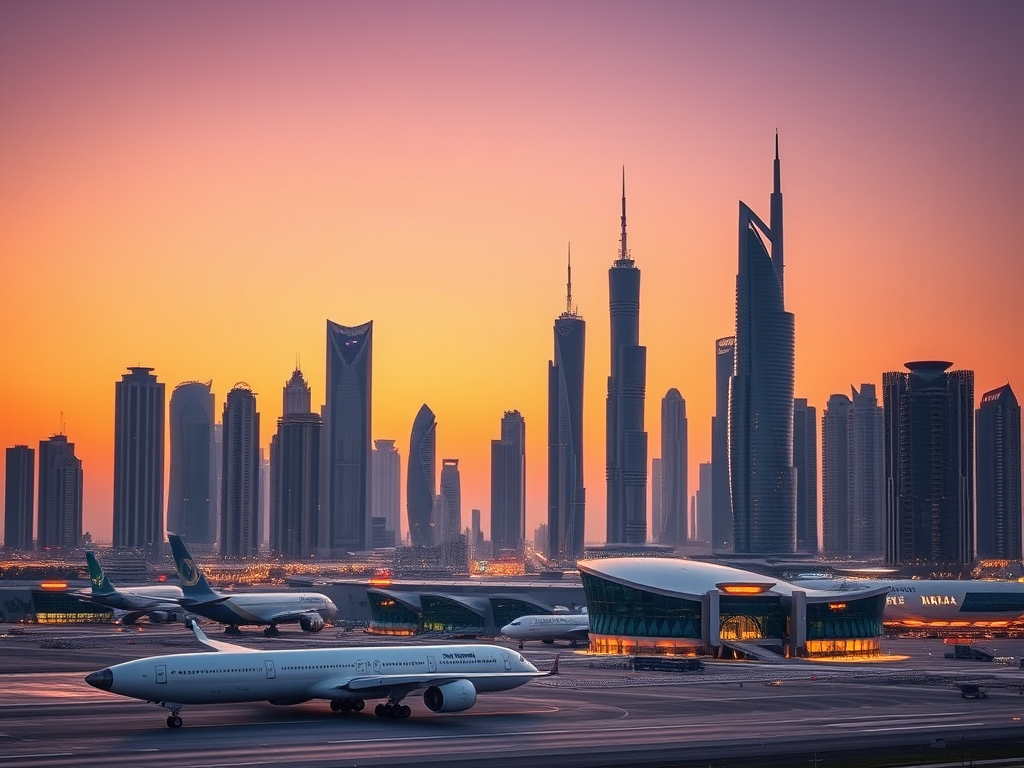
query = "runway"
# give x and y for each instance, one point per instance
(588, 716)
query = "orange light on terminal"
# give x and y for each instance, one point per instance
(744, 588)
(53, 585)
(837, 606)
(380, 582)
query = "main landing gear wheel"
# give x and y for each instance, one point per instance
(392, 711)
(271, 631)
(173, 721)
(347, 705)
(232, 630)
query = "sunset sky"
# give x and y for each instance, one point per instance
(200, 186)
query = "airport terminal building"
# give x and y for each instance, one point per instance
(668, 606)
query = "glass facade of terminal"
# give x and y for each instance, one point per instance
(391, 616)
(751, 617)
(845, 628)
(444, 615)
(64, 608)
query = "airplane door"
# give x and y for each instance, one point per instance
(271, 674)
(431, 664)
(161, 673)
(508, 662)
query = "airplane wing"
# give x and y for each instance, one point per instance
(188, 602)
(217, 645)
(384, 685)
(286, 616)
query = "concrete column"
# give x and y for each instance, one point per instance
(709, 619)
(798, 624)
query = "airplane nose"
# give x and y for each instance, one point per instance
(104, 679)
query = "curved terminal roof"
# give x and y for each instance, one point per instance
(691, 579)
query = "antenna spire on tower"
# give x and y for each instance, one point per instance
(624, 250)
(568, 284)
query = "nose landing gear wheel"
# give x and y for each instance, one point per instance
(173, 721)
(404, 711)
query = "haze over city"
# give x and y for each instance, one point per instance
(199, 189)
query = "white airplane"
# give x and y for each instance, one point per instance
(309, 609)
(573, 627)
(450, 676)
(161, 602)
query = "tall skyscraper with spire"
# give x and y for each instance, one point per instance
(626, 440)
(60, 495)
(191, 508)
(566, 493)
(19, 494)
(295, 474)
(762, 477)
(421, 479)
(346, 483)
(240, 525)
(139, 461)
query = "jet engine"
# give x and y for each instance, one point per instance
(456, 696)
(311, 622)
(160, 617)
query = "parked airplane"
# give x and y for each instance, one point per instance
(548, 628)
(161, 602)
(450, 676)
(309, 609)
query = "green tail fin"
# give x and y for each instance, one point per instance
(100, 583)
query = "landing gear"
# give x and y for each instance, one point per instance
(173, 721)
(232, 629)
(347, 705)
(392, 711)
(520, 645)
(272, 631)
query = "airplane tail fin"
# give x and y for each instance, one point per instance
(100, 583)
(193, 583)
(554, 667)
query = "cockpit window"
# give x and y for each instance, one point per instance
(515, 623)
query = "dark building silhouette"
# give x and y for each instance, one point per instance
(346, 482)
(386, 469)
(566, 493)
(139, 461)
(295, 474)
(675, 494)
(626, 440)
(19, 495)
(508, 485)
(805, 460)
(929, 467)
(421, 479)
(762, 477)
(999, 475)
(60, 495)
(704, 501)
(657, 498)
(451, 490)
(853, 475)
(720, 536)
(240, 485)
(191, 505)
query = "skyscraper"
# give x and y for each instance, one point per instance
(805, 460)
(566, 494)
(240, 488)
(674, 457)
(451, 489)
(762, 477)
(657, 498)
(853, 475)
(421, 480)
(476, 534)
(508, 485)
(19, 494)
(295, 474)
(347, 413)
(626, 440)
(60, 495)
(929, 467)
(720, 536)
(139, 461)
(191, 509)
(387, 478)
(999, 482)
(705, 501)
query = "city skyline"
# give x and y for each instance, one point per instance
(123, 158)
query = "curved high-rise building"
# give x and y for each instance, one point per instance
(675, 496)
(346, 482)
(191, 508)
(626, 440)
(421, 479)
(566, 493)
(762, 477)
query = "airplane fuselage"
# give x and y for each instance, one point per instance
(544, 627)
(165, 598)
(261, 607)
(292, 676)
